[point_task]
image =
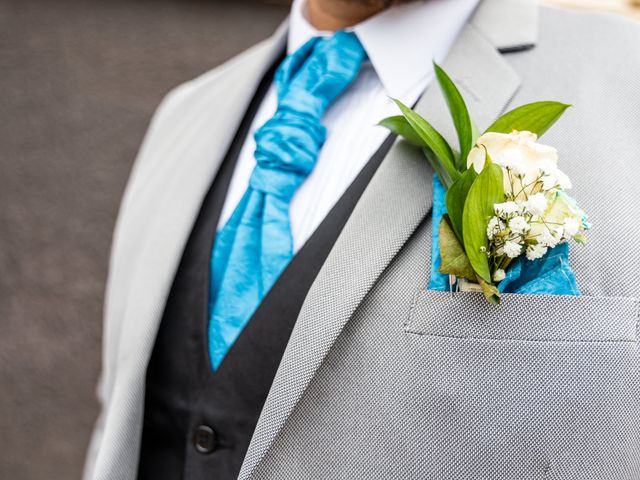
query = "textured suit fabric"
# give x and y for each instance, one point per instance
(381, 379)
(182, 393)
(544, 387)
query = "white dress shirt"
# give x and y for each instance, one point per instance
(401, 44)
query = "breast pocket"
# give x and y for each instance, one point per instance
(539, 387)
(525, 317)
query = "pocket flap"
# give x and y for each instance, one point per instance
(525, 317)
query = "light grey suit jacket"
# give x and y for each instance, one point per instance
(382, 378)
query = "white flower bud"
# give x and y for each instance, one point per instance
(499, 275)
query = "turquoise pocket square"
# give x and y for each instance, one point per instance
(549, 275)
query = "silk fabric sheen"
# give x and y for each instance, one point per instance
(255, 245)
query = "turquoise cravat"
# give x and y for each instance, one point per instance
(254, 247)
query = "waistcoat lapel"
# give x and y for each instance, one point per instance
(394, 204)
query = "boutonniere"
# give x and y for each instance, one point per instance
(504, 214)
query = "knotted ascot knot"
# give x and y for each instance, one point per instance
(254, 247)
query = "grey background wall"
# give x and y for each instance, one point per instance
(79, 80)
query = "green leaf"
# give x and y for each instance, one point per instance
(456, 197)
(431, 138)
(491, 292)
(399, 125)
(486, 191)
(454, 260)
(437, 166)
(534, 117)
(459, 114)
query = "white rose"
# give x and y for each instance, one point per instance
(564, 212)
(517, 151)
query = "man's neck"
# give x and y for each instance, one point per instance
(332, 15)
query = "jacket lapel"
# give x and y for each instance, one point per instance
(176, 166)
(172, 184)
(394, 204)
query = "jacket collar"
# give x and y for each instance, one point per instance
(509, 25)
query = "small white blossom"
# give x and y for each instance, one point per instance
(536, 204)
(549, 182)
(512, 249)
(519, 168)
(495, 227)
(571, 227)
(506, 209)
(519, 225)
(499, 275)
(563, 180)
(558, 232)
(549, 239)
(513, 160)
(553, 177)
(536, 251)
(547, 167)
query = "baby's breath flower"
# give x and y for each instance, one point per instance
(563, 180)
(549, 182)
(536, 204)
(558, 232)
(553, 178)
(512, 249)
(549, 239)
(506, 209)
(519, 168)
(536, 251)
(495, 227)
(519, 225)
(499, 275)
(547, 167)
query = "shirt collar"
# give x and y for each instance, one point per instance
(401, 42)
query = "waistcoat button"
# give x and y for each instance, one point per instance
(204, 439)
